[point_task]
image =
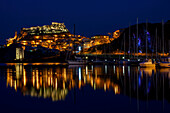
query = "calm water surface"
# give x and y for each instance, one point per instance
(81, 89)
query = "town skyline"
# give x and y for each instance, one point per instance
(90, 17)
(4, 40)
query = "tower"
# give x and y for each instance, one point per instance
(19, 54)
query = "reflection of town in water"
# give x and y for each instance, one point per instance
(55, 82)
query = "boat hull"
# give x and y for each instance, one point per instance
(167, 65)
(147, 65)
(77, 62)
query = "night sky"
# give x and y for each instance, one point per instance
(92, 17)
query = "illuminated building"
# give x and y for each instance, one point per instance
(87, 45)
(54, 36)
(12, 40)
(116, 34)
(100, 39)
(19, 54)
(46, 29)
(46, 35)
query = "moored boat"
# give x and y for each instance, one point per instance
(165, 63)
(76, 62)
(148, 63)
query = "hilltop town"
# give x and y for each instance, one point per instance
(54, 43)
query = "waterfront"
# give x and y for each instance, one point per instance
(86, 88)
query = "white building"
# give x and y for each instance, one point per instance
(19, 54)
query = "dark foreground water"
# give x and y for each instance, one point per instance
(46, 88)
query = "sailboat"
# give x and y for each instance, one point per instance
(147, 63)
(165, 61)
(135, 61)
(77, 60)
(123, 61)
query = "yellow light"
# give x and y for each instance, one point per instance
(40, 81)
(56, 84)
(24, 43)
(24, 77)
(33, 80)
(33, 42)
(37, 37)
(48, 41)
(104, 86)
(15, 85)
(116, 89)
(48, 81)
(79, 84)
(8, 45)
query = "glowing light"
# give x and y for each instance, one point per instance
(104, 86)
(79, 48)
(105, 69)
(116, 89)
(37, 37)
(86, 70)
(15, 85)
(116, 34)
(94, 86)
(79, 73)
(114, 69)
(140, 51)
(56, 84)
(24, 77)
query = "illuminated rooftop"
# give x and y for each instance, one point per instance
(54, 28)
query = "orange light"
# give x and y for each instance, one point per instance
(37, 37)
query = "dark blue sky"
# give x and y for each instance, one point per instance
(90, 16)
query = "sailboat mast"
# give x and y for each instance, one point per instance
(129, 40)
(137, 39)
(156, 43)
(134, 46)
(146, 37)
(124, 46)
(163, 36)
(74, 34)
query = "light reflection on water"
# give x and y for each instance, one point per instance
(55, 82)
